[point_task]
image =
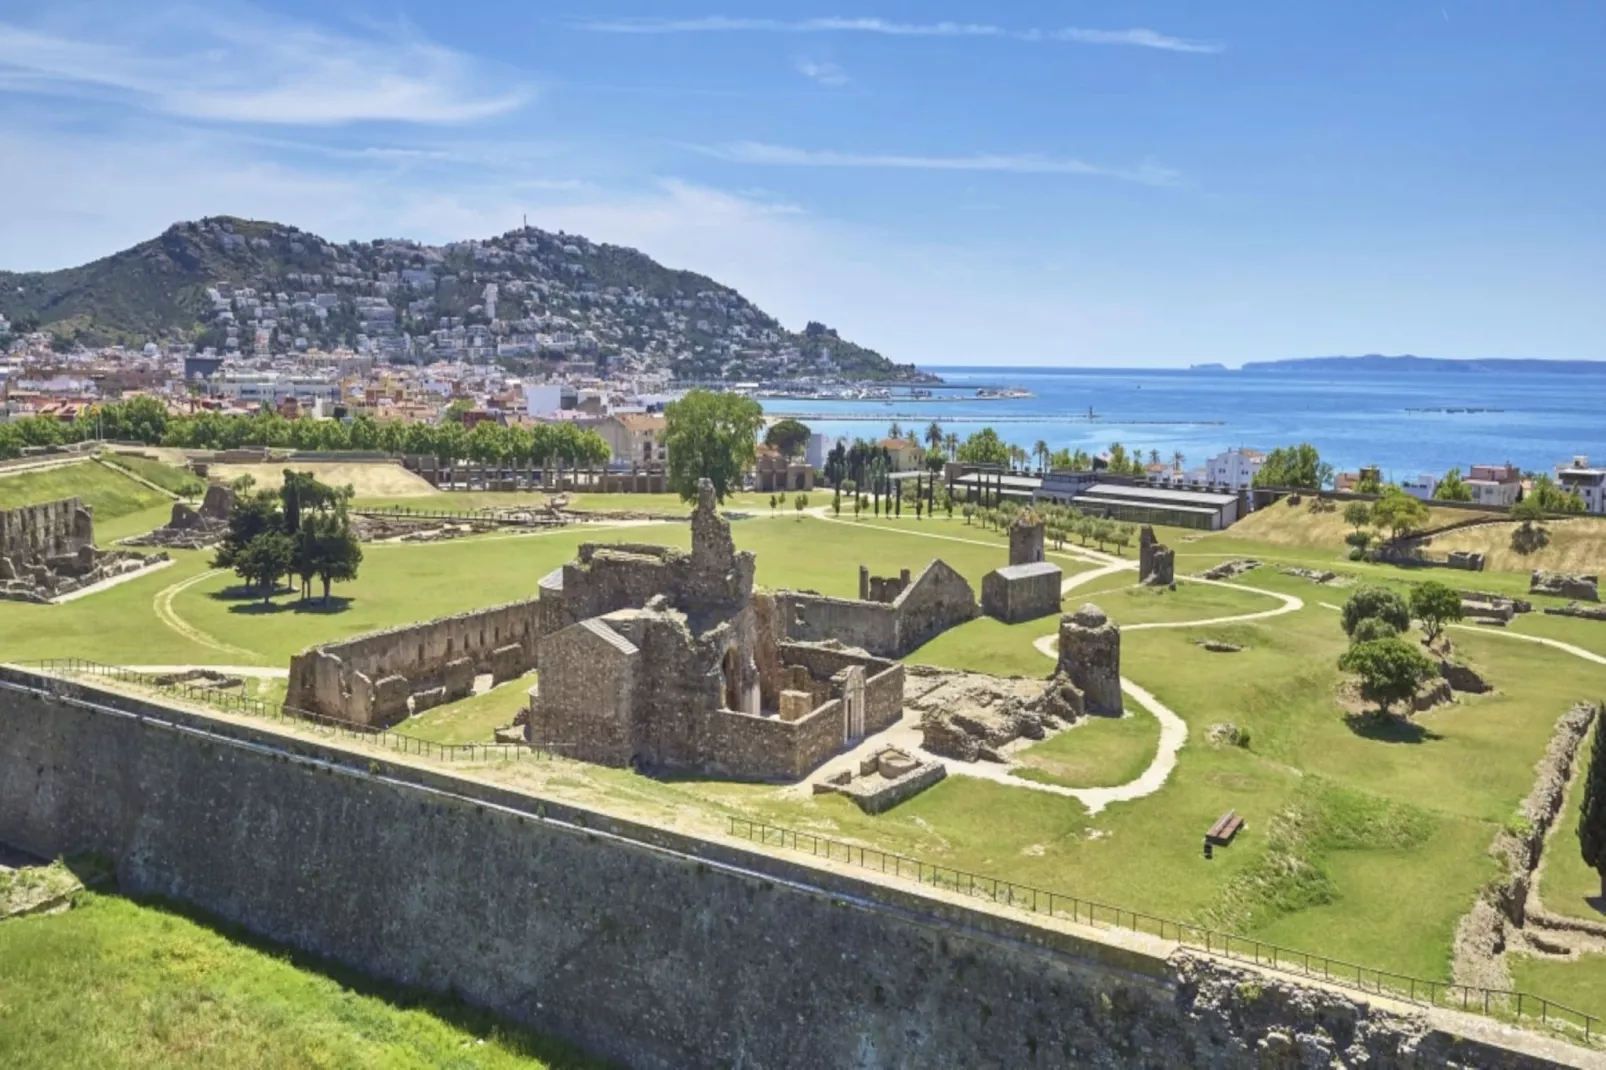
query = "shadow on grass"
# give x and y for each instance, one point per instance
(248, 600)
(448, 1008)
(1385, 728)
(1597, 903)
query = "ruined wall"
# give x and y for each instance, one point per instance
(883, 699)
(936, 600)
(648, 948)
(51, 529)
(344, 679)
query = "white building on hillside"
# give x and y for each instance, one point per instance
(1422, 486)
(1587, 482)
(1236, 467)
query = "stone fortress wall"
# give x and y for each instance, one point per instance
(644, 946)
(379, 677)
(34, 533)
(48, 550)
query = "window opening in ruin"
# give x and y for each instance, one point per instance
(449, 643)
(732, 694)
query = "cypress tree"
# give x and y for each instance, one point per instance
(1592, 818)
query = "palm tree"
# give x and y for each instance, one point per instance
(1154, 456)
(950, 442)
(1041, 451)
(1177, 460)
(895, 431)
(934, 435)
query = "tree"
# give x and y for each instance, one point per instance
(457, 410)
(710, 436)
(895, 431)
(1452, 488)
(1294, 466)
(1357, 515)
(1399, 513)
(264, 559)
(1555, 499)
(1372, 601)
(1390, 670)
(1370, 482)
(253, 515)
(950, 445)
(801, 502)
(1435, 605)
(1592, 812)
(789, 437)
(1530, 534)
(1041, 452)
(968, 512)
(1373, 628)
(934, 437)
(983, 447)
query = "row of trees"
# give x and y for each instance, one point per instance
(1376, 620)
(146, 420)
(301, 529)
(1060, 523)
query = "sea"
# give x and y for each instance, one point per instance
(1405, 421)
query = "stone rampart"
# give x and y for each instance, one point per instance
(367, 679)
(648, 948)
(35, 533)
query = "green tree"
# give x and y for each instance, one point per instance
(1294, 466)
(1398, 513)
(1530, 534)
(934, 436)
(1452, 488)
(1372, 601)
(1391, 670)
(264, 559)
(1555, 499)
(1373, 628)
(1435, 605)
(456, 410)
(895, 431)
(710, 436)
(983, 447)
(1041, 453)
(253, 515)
(790, 437)
(336, 552)
(801, 502)
(1592, 812)
(1357, 515)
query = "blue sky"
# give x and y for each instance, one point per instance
(1011, 183)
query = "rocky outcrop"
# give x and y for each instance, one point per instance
(1584, 588)
(1090, 657)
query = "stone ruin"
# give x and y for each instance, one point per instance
(1089, 670)
(664, 660)
(1580, 588)
(892, 616)
(1573, 609)
(48, 550)
(1486, 607)
(1321, 576)
(1028, 587)
(1156, 561)
(971, 717)
(883, 780)
(189, 528)
(1230, 570)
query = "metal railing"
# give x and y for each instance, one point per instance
(250, 707)
(497, 516)
(1493, 1002)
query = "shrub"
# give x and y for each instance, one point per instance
(1379, 602)
(1372, 629)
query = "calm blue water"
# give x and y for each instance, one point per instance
(1545, 418)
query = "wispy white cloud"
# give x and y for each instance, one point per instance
(823, 71)
(244, 66)
(757, 152)
(1138, 38)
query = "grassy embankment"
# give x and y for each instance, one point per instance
(117, 984)
(122, 506)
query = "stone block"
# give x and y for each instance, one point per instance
(1565, 584)
(458, 678)
(507, 663)
(390, 700)
(428, 699)
(796, 705)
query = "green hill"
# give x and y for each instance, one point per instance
(226, 283)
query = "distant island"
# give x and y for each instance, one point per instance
(1376, 363)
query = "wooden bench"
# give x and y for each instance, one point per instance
(1225, 828)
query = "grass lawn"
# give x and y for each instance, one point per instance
(169, 477)
(1126, 603)
(1579, 984)
(1566, 885)
(109, 493)
(989, 646)
(1300, 525)
(471, 720)
(1098, 752)
(117, 984)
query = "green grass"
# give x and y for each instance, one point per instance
(116, 984)
(184, 483)
(110, 494)
(990, 646)
(1579, 984)
(1098, 752)
(1566, 884)
(471, 720)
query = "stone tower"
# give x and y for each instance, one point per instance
(1090, 656)
(1026, 538)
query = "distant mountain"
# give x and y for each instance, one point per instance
(1377, 363)
(528, 294)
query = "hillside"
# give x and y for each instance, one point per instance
(526, 295)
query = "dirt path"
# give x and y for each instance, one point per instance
(163, 605)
